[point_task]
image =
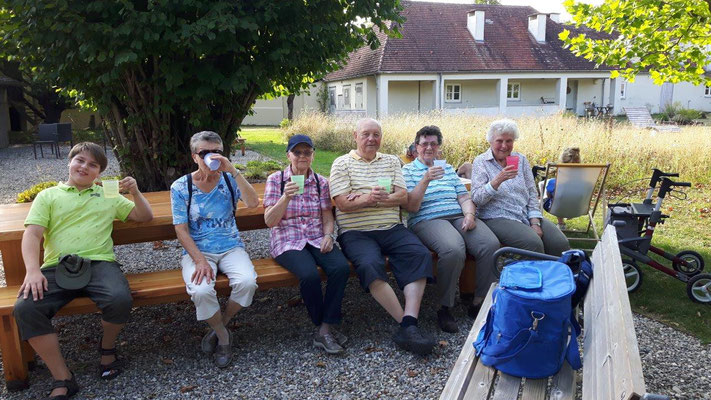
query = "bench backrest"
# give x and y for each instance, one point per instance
(574, 188)
(612, 365)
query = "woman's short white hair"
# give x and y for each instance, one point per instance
(502, 127)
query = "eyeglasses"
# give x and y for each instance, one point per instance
(305, 153)
(203, 153)
(428, 144)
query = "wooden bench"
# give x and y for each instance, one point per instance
(612, 368)
(148, 288)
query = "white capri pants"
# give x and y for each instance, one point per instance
(240, 272)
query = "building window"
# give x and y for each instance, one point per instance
(453, 93)
(623, 90)
(707, 91)
(340, 102)
(347, 96)
(358, 96)
(332, 97)
(513, 91)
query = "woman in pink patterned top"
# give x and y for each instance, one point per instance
(302, 225)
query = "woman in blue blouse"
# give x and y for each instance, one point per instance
(442, 215)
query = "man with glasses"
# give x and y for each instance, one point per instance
(368, 189)
(204, 204)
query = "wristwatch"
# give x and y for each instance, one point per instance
(536, 223)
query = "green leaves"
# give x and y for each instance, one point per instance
(670, 40)
(159, 71)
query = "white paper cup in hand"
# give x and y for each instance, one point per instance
(440, 163)
(211, 163)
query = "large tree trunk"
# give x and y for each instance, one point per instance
(152, 143)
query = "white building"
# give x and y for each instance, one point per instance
(486, 59)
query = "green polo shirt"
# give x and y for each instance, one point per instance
(350, 173)
(77, 222)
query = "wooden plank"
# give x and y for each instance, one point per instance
(14, 367)
(600, 324)
(627, 367)
(507, 387)
(481, 384)
(534, 389)
(464, 366)
(563, 384)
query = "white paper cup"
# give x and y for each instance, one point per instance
(211, 163)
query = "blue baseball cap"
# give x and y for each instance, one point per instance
(298, 139)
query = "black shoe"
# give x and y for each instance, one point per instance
(70, 384)
(411, 339)
(446, 321)
(473, 310)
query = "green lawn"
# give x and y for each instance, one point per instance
(271, 143)
(660, 296)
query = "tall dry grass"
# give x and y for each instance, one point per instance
(632, 152)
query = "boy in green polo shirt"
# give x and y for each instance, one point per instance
(75, 218)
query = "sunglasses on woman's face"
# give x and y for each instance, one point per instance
(203, 153)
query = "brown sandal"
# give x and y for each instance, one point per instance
(70, 384)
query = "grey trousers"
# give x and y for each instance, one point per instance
(445, 237)
(108, 288)
(516, 234)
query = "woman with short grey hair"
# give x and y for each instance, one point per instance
(504, 192)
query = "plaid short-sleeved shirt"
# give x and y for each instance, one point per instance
(302, 222)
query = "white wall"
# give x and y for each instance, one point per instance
(410, 96)
(643, 92)
(371, 96)
(273, 111)
(474, 94)
(532, 90)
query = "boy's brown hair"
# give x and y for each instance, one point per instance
(570, 155)
(92, 148)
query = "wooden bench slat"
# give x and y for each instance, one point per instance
(624, 348)
(534, 389)
(507, 387)
(563, 384)
(481, 383)
(462, 372)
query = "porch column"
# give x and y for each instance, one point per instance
(438, 93)
(382, 96)
(561, 86)
(614, 96)
(501, 87)
(4, 119)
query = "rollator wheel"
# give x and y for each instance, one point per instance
(633, 275)
(695, 263)
(699, 288)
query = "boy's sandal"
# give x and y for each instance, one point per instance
(70, 384)
(110, 371)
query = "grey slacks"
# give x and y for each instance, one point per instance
(445, 237)
(516, 234)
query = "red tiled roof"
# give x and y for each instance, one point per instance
(435, 38)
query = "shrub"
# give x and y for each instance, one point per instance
(29, 195)
(260, 170)
(686, 116)
(284, 123)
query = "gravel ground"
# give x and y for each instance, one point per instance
(273, 355)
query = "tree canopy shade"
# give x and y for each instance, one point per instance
(160, 70)
(671, 39)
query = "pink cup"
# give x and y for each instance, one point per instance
(512, 160)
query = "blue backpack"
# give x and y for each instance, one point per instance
(531, 328)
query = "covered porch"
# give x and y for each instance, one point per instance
(515, 94)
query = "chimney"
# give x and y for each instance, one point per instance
(475, 24)
(537, 26)
(555, 17)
